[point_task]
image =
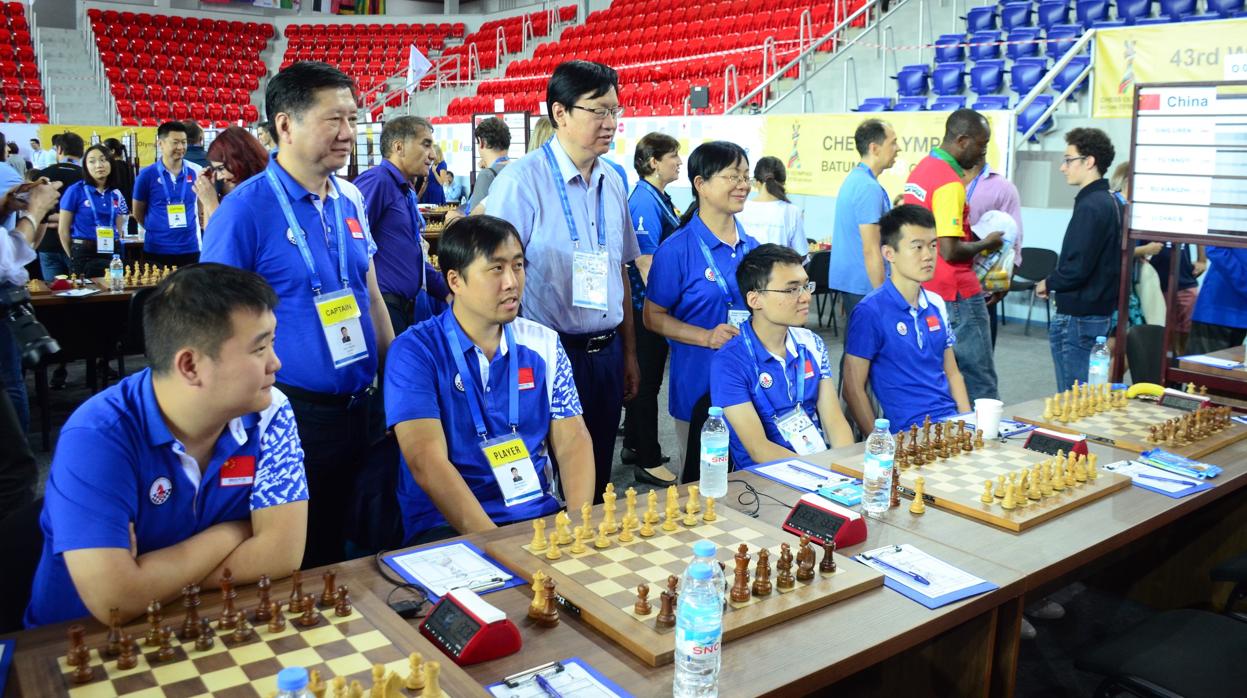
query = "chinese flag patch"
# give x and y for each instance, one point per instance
(526, 379)
(933, 323)
(809, 369)
(357, 231)
(238, 470)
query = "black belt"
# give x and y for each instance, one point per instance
(398, 300)
(589, 343)
(89, 245)
(349, 402)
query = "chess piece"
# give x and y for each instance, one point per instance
(987, 497)
(578, 540)
(828, 565)
(154, 618)
(356, 690)
(228, 615)
(538, 604)
(539, 536)
(242, 630)
(708, 515)
(550, 614)
(1047, 409)
(112, 643)
(1093, 471)
(207, 636)
(1009, 502)
(630, 503)
(309, 618)
(651, 507)
(296, 591)
(378, 681)
(562, 526)
(690, 512)
(894, 489)
(586, 518)
(315, 684)
(647, 526)
(263, 610)
(666, 610)
(328, 595)
(166, 651)
(625, 533)
(762, 574)
(978, 438)
(1034, 493)
(608, 510)
(127, 659)
(642, 607)
(900, 449)
(277, 620)
(80, 659)
(77, 639)
(432, 680)
(602, 541)
(673, 497)
(342, 602)
(1080, 469)
(783, 578)
(805, 561)
(415, 676)
(918, 506)
(669, 518)
(740, 584)
(339, 687)
(190, 601)
(552, 550)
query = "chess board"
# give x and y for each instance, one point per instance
(599, 586)
(1130, 427)
(956, 484)
(336, 646)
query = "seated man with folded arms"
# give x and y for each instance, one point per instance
(774, 379)
(478, 396)
(901, 341)
(181, 470)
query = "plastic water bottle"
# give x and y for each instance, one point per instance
(704, 552)
(1097, 367)
(292, 683)
(698, 634)
(877, 470)
(116, 275)
(714, 445)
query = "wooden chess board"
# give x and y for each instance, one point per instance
(1128, 428)
(599, 586)
(956, 484)
(336, 646)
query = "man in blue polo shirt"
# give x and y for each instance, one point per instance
(306, 232)
(773, 380)
(403, 272)
(481, 399)
(856, 266)
(179, 471)
(901, 342)
(165, 203)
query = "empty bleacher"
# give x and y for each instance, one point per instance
(21, 92)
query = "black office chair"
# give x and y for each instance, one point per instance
(21, 545)
(1145, 353)
(1234, 571)
(132, 341)
(824, 297)
(1037, 264)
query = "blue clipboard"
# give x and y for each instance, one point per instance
(607, 683)
(388, 559)
(931, 602)
(1202, 487)
(7, 648)
(831, 475)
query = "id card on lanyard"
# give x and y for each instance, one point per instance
(795, 426)
(590, 268)
(105, 235)
(176, 211)
(337, 312)
(507, 456)
(735, 316)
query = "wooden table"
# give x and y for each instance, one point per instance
(42, 297)
(1232, 354)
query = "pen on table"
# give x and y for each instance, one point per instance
(1157, 478)
(916, 577)
(479, 584)
(803, 471)
(545, 686)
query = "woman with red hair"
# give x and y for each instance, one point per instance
(234, 157)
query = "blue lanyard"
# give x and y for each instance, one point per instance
(668, 215)
(513, 378)
(180, 183)
(801, 357)
(561, 186)
(417, 218)
(714, 268)
(110, 219)
(300, 237)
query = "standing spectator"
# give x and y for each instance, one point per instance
(577, 252)
(988, 190)
(165, 201)
(856, 266)
(123, 169)
(52, 257)
(493, 141)
(433, 192)
(452, 187)
(1084, 283)
(234, 157)
(936, 184)
(40, 158)
(92, 216)
(1220, 318)
(195, 144)
(543, 130)
(770, 216)
(15, 160)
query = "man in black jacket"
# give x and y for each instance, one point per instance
(1085, 281)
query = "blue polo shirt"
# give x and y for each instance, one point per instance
(861, 201)
(1223, 298)
(160, 238)
(396, 225)
(92, 209)
(905, 347)
(654, 220)
(249, 231)
(422, 382)
(682, 282)
(118, 464)
(433, 192)
(768, 382)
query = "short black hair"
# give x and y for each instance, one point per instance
(471, 237)
(293, 90)
(965, 122)
(56, 139)
(754, 271)
(399, 129)
(869, 131)
(71, 144)
(172, 127)
(115, 148)
(575, 79)
(652, 145)
(193, 308)
(194, 132)
(707, 160)
(1094, 143)
(35, 140)
(493, 133)
(905, 214)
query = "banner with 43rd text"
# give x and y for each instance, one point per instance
(1176, 52)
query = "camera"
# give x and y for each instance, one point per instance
(31, 336)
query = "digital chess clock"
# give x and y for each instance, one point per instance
(1183, 401)
(469, 630)
(824, 521)
(1049, 442)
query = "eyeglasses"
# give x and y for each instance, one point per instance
(736, 180)
(1066, 161)
(217, 169)
(794, 292)
(600, 113)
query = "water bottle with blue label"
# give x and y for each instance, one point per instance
(1097, 366)
(877, 469)
(714, 451)
(698, 633)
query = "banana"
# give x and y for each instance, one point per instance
(1144, 389)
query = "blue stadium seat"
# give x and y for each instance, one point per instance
(911, 82)
(981, 19)
(1026, 73)
(991, 102)
(1052, 13)
(1148, 21)
(1029, 46)
(910, 104)
(949, 48)
(1131, 11)
(1109, 23)
(948, 103)
(984, 46)
(1061, 38)
(1177, 9)
(1066, 76)
(1030, 115)
(1087, 12)
(876, 104)
(1226, 8)
(948, 79)
(1014, 15)
(987, 76)
(924, 68)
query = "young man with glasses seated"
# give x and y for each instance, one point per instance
(774, 379)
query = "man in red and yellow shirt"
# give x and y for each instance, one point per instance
(937, 184)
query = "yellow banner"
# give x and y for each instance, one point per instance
(145, 137)
(819, 151)
(1177, 52)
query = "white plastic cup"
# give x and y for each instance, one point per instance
(987, 414)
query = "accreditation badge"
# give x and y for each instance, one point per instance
(800, 432)
(512, 468)
(177, 215)
(105, 239)
(344, 334)
(736, 318)
(589, 279)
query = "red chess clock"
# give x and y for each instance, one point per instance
(1049, 442)
(469, 630)
(824, 521)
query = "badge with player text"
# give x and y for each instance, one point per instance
(589, 281)
(104, 239)
(513, 469)
(177, 215)
(736, 318)
(339, 319)
(800, 432)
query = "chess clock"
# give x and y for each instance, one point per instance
(1049, 442)
(469, 630)
(824, 521)
(1183, 401)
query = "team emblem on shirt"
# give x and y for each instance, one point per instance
(458, 382)
(901, 329)
(709, 275)
(765, 380)
(526, 378)
(933, 323)
(160, 490)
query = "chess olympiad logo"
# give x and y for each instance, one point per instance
(709, 275)
(458, 382)
(765, 380)
(160, 490)
(901, 329)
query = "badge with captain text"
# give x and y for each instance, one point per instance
(177, 215)
(512, 468)
(589, 280)
(344, 334)
(104, 239)
(736, 318)
(800, 432)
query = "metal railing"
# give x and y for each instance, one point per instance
(102, 81)
(1045, 82)
(857, 98)
(45, 83)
